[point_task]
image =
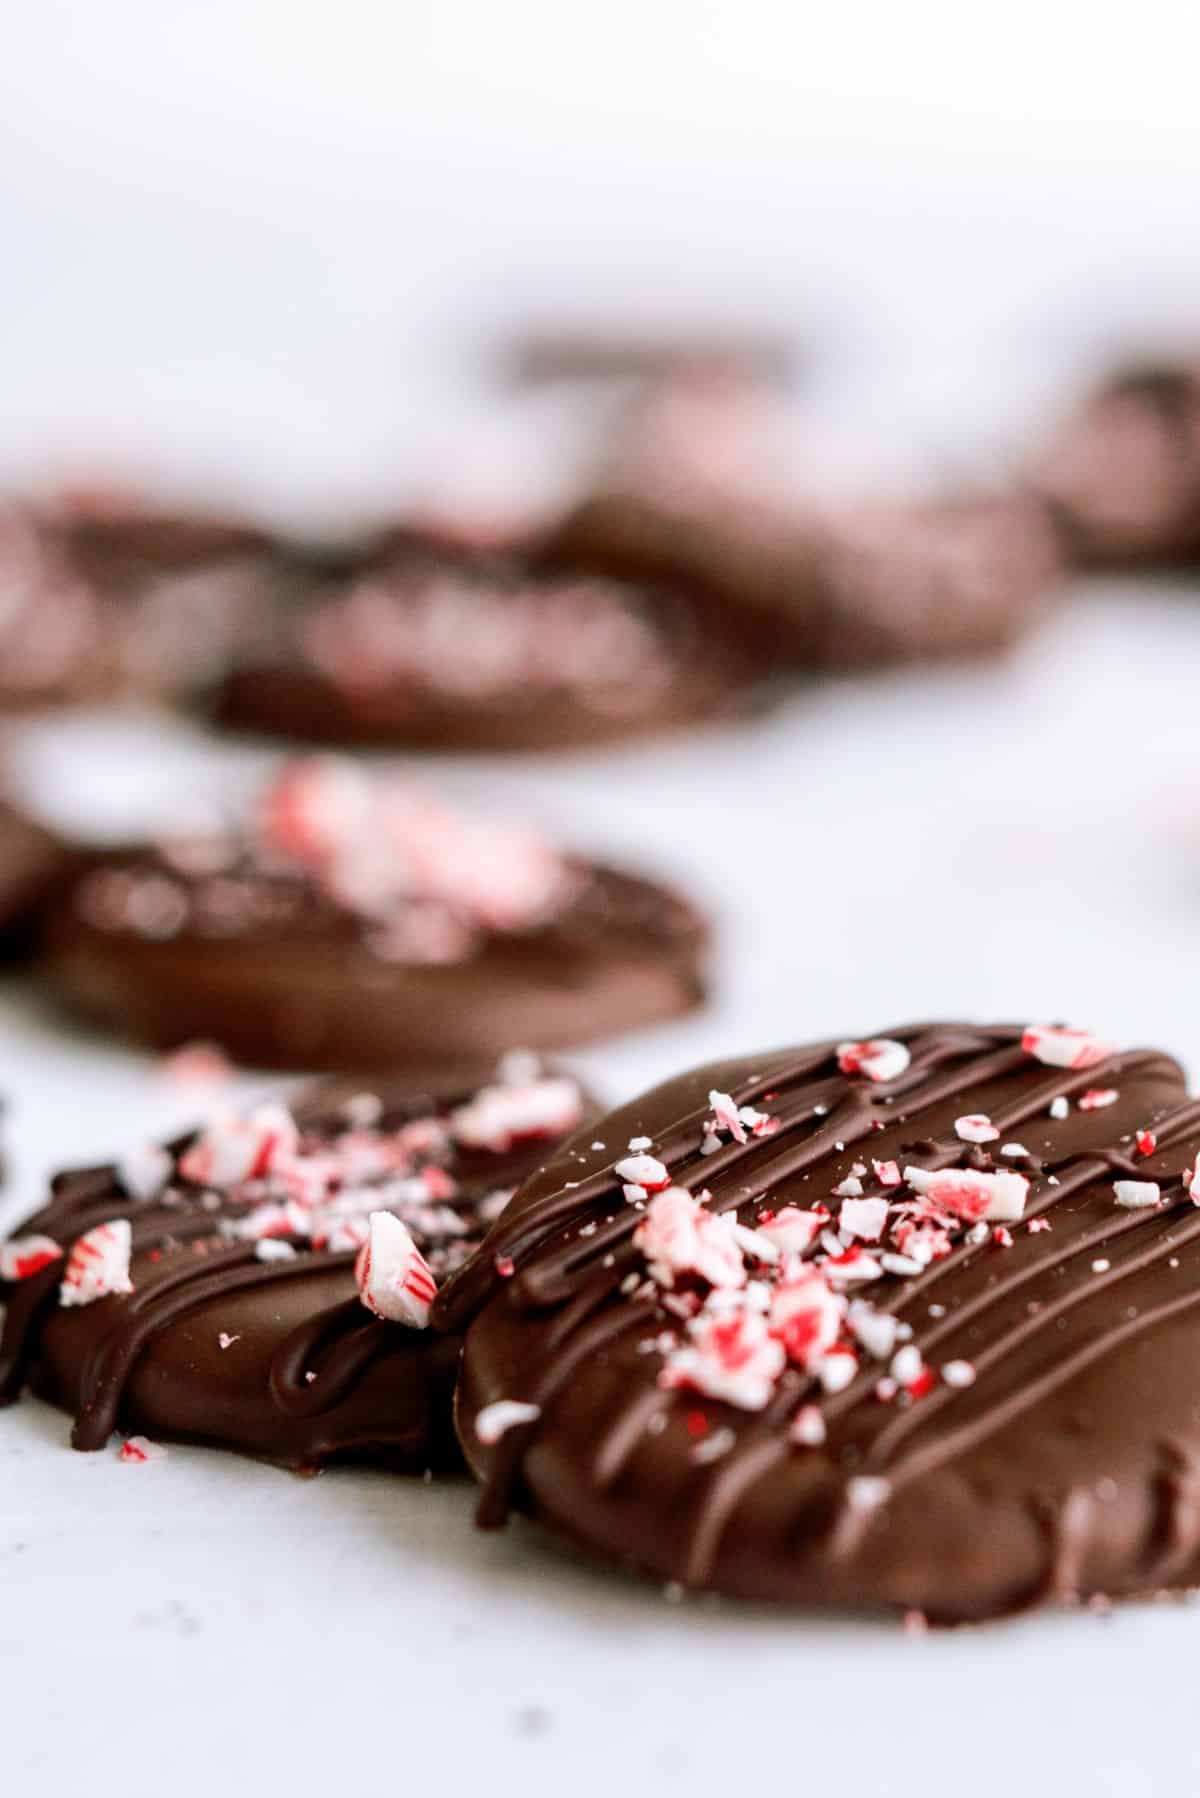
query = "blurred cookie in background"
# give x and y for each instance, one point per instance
(1122, 476)
(432, 647)
(872, 582)
(54, 644)
(349, 922)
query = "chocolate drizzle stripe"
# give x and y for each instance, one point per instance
(916, 1418)
(337, 1345)
(922, 1461)
(105, 1375)
(590, 1337)
(765, 1164)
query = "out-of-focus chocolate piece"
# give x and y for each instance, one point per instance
(435, 648)
(360, 923)
(1122, 477)
(872, 583)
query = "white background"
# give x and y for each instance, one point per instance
(253, 249)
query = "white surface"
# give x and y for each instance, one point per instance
(1020, 841)
(244, 247)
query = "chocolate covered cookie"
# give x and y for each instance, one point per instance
(54, 645)
(857, 585)
(264, 1284)
(1122, 478)
(907, 1322)
(356, 923)
(434, 648)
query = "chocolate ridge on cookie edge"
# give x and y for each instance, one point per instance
(241, 1329)
(1003, 1422)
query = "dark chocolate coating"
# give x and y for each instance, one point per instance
(300, 985)
(871, 585)
(1122, 478)
(1070, 1468)
(152, 1363)
(281, 687)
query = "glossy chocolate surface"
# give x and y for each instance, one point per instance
(1058, 1459)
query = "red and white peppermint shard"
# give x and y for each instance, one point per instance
(1098, 1098)
(792, 1230)
(98, 1264)
(1191, 1179)
(806, 1315)
(499, 1116)
(879, 1058)
(864, 1217)
(678, 1236)
(646, 1171)
(140, 1449)
(394, 1278)
(725, 1114)
(997, 1198)
(1062, 1048)
(231, 1150)
(24, 1256)
(975, 1127)
(730, 1356)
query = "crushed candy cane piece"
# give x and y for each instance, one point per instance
(864, 1217)
(501, 1416)
(225, 1340)
(792, 1230)
(853, 1267)
(867, 1492)
(975, 1127)
(850, 1188)
(808, 1427)
(499, 1116)
(730, 1356)
(230, 1150)
(646, 1171)
(98, 1264)
(1062, 1048)
(907, 1364)
(1014, 1150)
(887, 1173)
(1097, 1098)
(197, 1064)
(271, 1248)
(394, 1279)
(23, 1256)
(837, 1369)
(678, 1236)
(874, 1330)
(998, 1197)
(879, 1058)
(1137, 1195)
(1191, 1178)
(959, 1374)
(145, 1171)
(140, 1449)
(727, 1115)
(1146, 1142)
(806, 1315)
(1060, 1108)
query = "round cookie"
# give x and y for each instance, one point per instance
(359, 923)
(906, 1322)
(1122, 477)
(874, 583)
(208, 1291)
(434, 648)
